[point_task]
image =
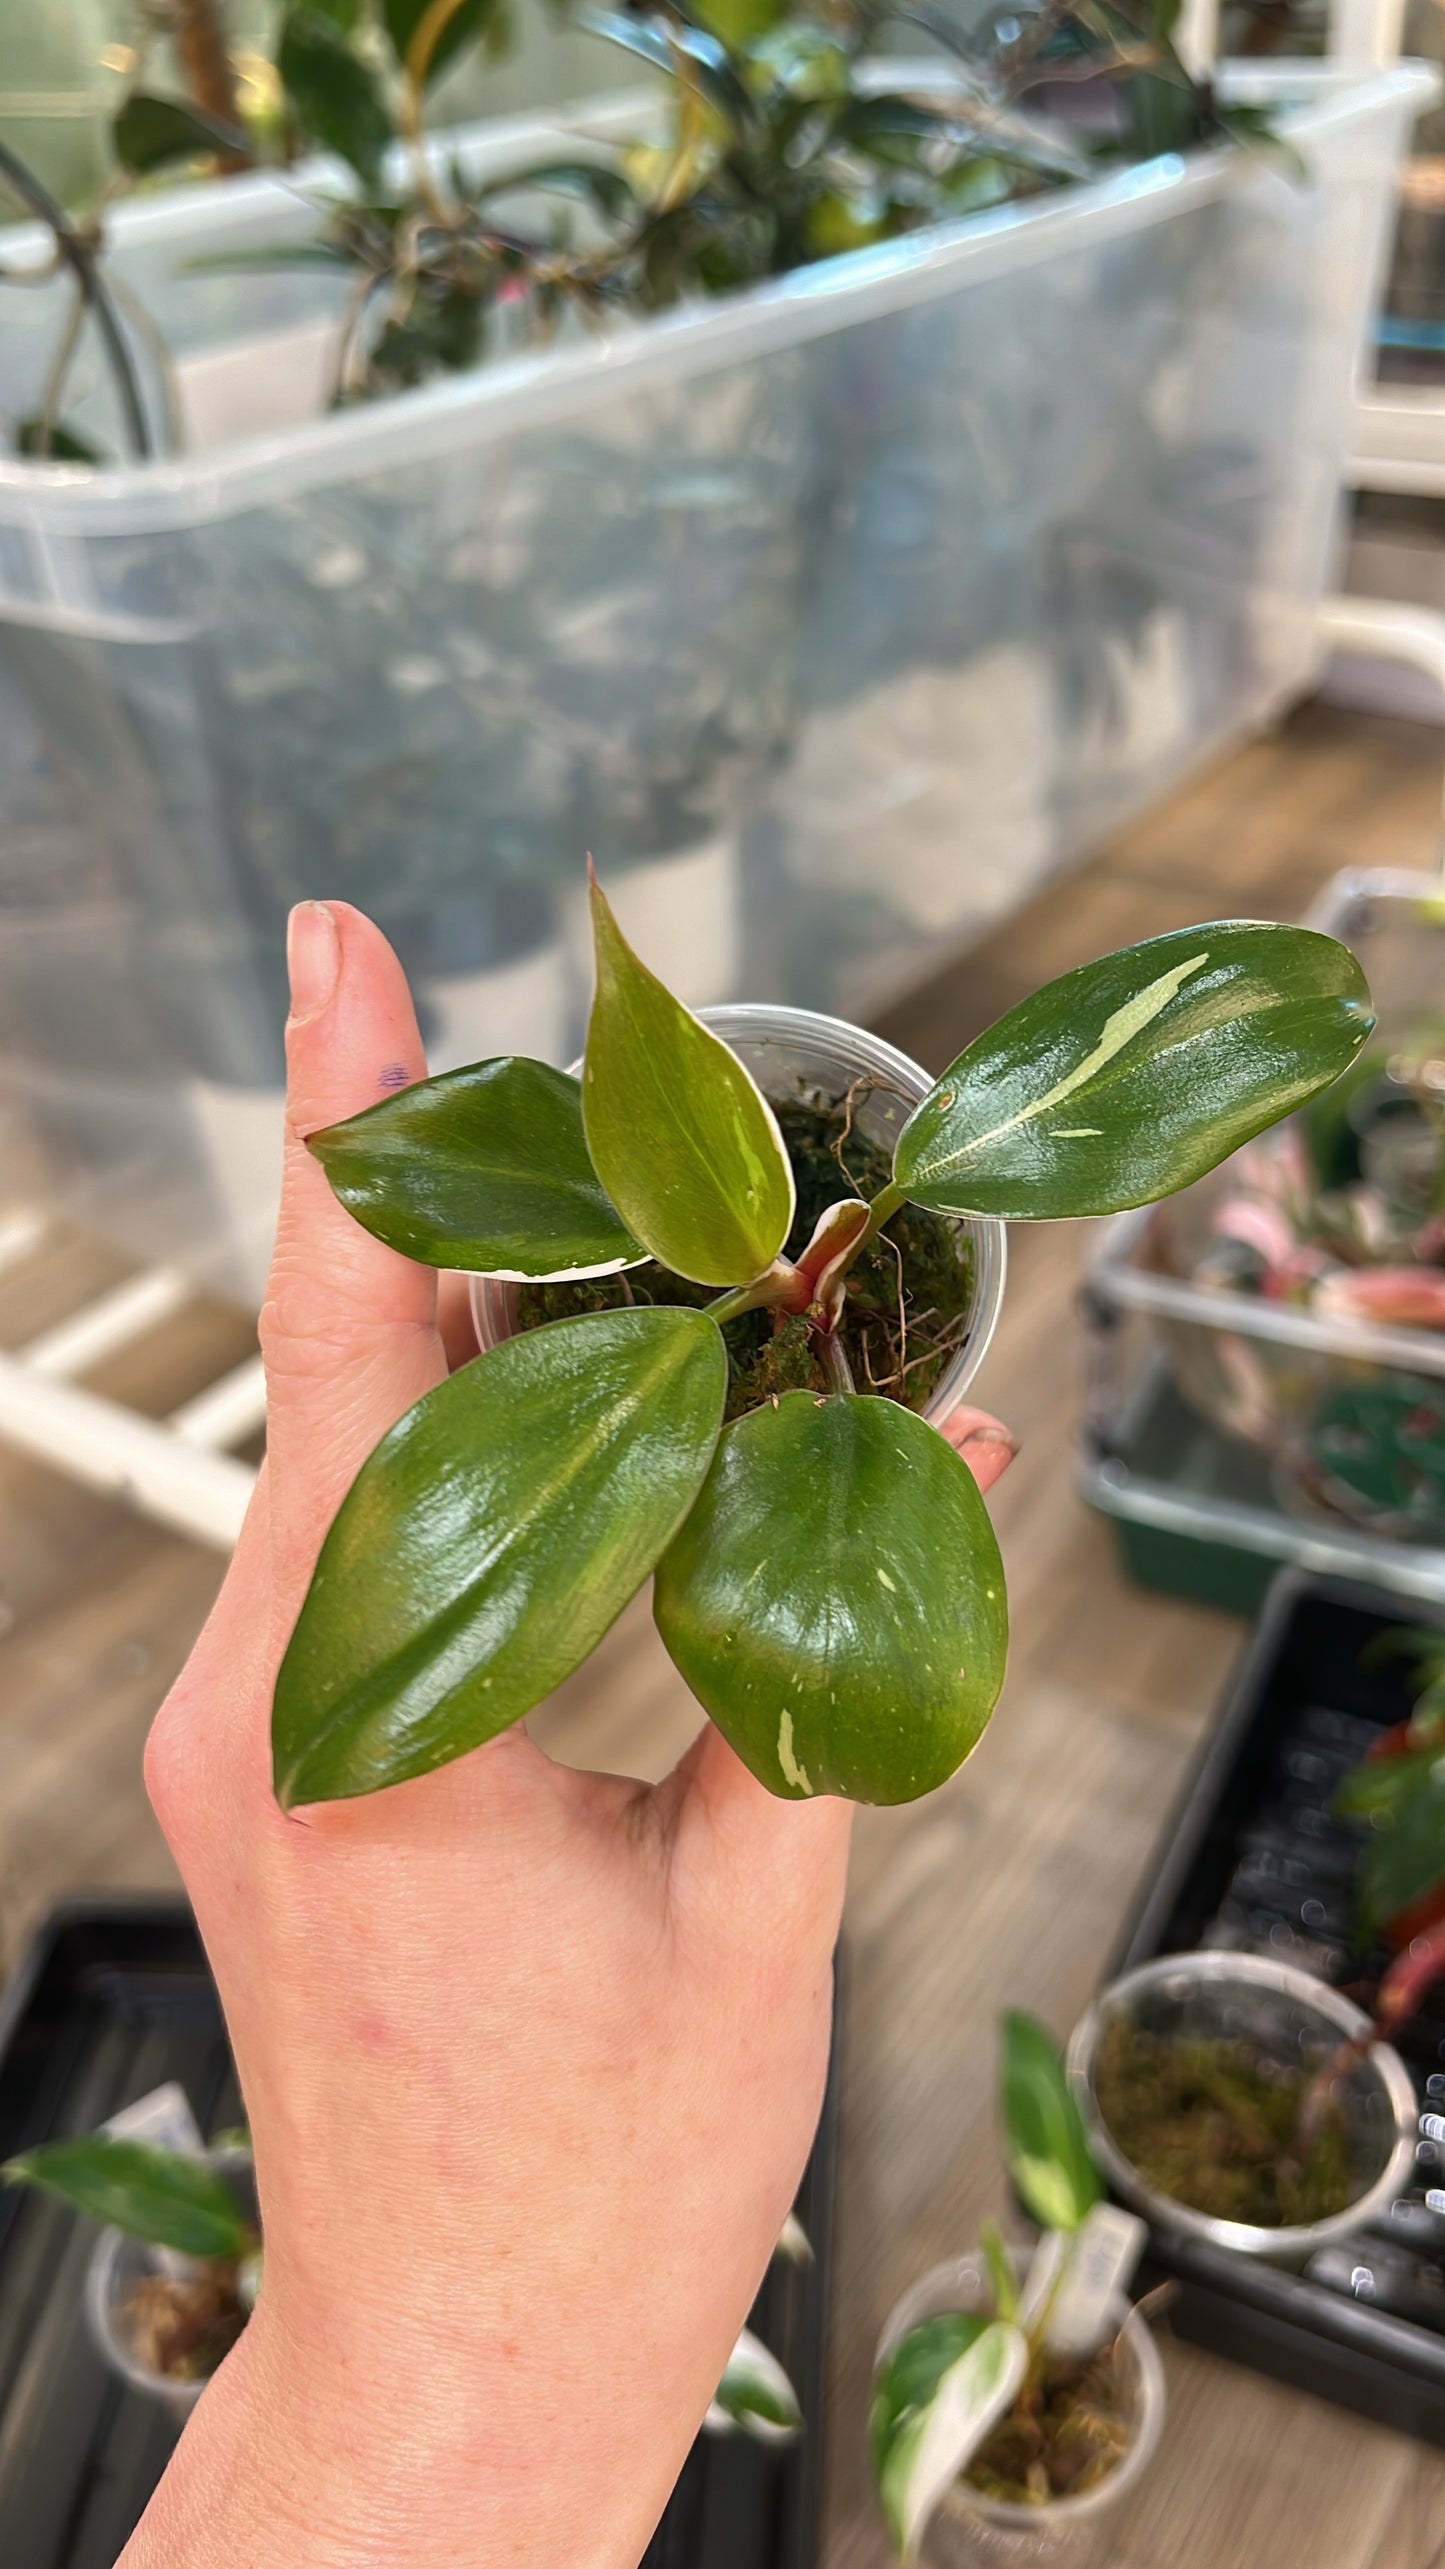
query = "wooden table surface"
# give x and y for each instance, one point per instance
(1011, 1885)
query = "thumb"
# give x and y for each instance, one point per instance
(348, 1327)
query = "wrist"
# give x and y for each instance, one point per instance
(304, 2460)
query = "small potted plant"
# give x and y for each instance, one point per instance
(176, 2270)
(1235, 2099)
(741, 1419)
(1012, 2408)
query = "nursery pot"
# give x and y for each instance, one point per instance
(1293, 2019)
(967, 2527)
(118, 2264)
(788, 1050)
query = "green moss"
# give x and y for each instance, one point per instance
(908, 1296)
(1211, 2125)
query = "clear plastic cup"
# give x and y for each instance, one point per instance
(1297, 2022)
(790, 1048)
(971, 2531)
(119, 2263)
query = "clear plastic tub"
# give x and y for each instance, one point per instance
(1223, 1419)
(832, 617)
(791, 1052)
(1295, 2022)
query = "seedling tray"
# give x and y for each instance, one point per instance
(112, 1999)
(1255, 1861)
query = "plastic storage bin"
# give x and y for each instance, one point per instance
(831, 618)
(1209, 1410)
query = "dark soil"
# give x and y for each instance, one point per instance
(1071, 2425)
(183, 2328)
(1212, 2125)
(908, 1295)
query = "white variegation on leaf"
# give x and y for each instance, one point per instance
(755, 2396)
(936, 2441)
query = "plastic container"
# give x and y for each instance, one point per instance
(1213, 1415)
(1256, 1860)
(118, 2265)
(1291, 2019)
(832, 617)
(788, 1050)
(968, 2528)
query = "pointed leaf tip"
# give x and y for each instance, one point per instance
(680, 1135)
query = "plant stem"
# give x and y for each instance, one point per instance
(780, 1286)
(79, 252)
(833, 1356)
(882, 1210)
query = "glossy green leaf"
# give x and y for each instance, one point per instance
(682, 1139)
(149, 132)
(1133, 1075)
(755, 2393)
(403, 18)
(333, 94)
(483, 1168)
(1045, 2143)
(943, 2389)
(162, 2195)
(488, 1543)
(836, 1599)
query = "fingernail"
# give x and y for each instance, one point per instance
(313, 959)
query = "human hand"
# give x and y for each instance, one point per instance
(532, 2058)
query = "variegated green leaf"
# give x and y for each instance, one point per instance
(488, 1543)
(1131, 1076)
(941, 2392)
(1044, 2137)
(755, 2395)
(682, 1139)
(835, 1600)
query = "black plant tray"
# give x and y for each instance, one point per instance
(112, 1999)
(1255, 1860)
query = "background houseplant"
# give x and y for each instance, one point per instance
(1020, 2394)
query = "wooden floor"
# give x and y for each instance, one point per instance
(1011, 1885)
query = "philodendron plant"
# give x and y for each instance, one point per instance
(826, 1577)
(1020, 2393)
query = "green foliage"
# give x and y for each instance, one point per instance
(1045, 2143)
(712, 1194)
(149, 132)
(166, 2196)
(333, 92)
(1132, 1076)
(489, 1542)
(827, 1578)
(756, 2393)
(933, 2403)
(806, 1603)
(483, 1168)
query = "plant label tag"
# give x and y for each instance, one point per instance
(163, 2117)
(1099, 2268)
